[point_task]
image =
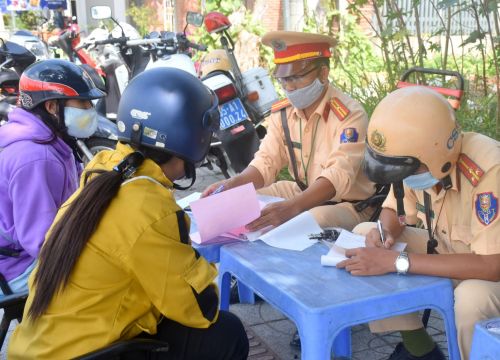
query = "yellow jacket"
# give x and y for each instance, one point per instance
(136, 268)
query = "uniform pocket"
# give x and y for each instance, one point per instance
(461, 233)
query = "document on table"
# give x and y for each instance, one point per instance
(348, 240)
(293, 234)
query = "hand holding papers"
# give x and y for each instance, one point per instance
(228, 210)
(348, 240)
(225, 215)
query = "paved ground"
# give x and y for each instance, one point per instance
(274, 330)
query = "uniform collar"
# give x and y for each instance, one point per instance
(323, 108)
(148, 167)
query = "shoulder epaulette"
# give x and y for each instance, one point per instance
(339, 109)
(470, 169)
(281, 104)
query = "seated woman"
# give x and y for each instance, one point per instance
(38, 170)
(118, 263)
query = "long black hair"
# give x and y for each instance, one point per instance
(69, 235)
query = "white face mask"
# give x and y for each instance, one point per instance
(306, 96)
(81, 123)
(421, 181)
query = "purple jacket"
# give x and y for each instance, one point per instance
(35, 179)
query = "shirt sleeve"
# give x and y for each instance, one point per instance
(409, 202)
(36, 192)
(344, 162)
(271, 156)
(485, 223)
(178, 281)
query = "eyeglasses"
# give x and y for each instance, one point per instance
(294, 79)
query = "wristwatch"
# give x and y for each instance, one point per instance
(402, 263)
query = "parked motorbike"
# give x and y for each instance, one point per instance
(245, 98)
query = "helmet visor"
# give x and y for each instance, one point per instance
(383, 169)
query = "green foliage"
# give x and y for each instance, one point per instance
(141, 16)
(28, 20)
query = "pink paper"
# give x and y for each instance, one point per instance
(227, 210)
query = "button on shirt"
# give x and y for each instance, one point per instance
(330, 157)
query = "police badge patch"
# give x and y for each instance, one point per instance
(349, 135)
(486, 208)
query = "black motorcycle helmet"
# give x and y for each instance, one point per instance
(170, 110)
(55, 79)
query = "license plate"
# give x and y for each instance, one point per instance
(232, 113)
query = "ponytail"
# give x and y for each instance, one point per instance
(70, 234)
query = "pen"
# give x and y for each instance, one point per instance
(381, 231)
(218, 190)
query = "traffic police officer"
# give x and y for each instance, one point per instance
(451, 184)
(326, 130)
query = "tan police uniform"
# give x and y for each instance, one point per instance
(330, 144)
(465, 220)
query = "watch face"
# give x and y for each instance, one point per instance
(402, 264)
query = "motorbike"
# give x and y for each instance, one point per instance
(245, 98)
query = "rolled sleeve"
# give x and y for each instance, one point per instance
(344, 162)
(271, 156)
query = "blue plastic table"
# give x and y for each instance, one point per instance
(486, 340)
(325, 302)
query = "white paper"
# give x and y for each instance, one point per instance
(294, 234)
(185, 201)
(349, 240)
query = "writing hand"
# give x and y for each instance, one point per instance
(373, 239)
(211, 188)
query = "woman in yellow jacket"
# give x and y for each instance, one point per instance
(117, 262)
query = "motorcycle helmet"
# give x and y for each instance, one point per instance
(216, 22)
(55, 79)
(169, 110)
(409, 127)
(214, 60)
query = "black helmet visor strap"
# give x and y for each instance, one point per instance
(383, 169)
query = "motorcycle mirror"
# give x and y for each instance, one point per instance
(193, 18)
(100, 12)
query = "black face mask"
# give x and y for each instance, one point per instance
(190, 173)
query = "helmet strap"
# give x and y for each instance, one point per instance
(446, 182)
(399, 194)
(135, 136)
(190, 171)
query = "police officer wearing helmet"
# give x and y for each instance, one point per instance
(117, 262)
(325, 149)
(38, 169)
(448, 180)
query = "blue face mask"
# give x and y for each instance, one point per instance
(420, 181)
(306, 96)
(81, 123)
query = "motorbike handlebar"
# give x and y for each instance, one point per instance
(199, 47)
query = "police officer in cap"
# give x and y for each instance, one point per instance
(448, 180)
(318, 132)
